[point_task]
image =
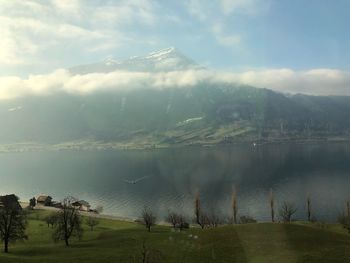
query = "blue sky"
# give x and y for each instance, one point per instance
(221, 34)
(40, 36)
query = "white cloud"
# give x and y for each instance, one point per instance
(31, 28)
(214, 13)
(315, 81)
(207, 13)
(251, 7)
(223, 38)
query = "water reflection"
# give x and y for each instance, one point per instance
(292, 170)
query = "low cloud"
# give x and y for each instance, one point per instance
(314, 82)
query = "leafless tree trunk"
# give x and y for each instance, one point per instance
(148, 218)
(176, 220)
(272, 206)
(68, 222)
(348, 208)
(286, 212)
(213, 220)
(308, 201)
(234, 205)
(197, 210)
(172, 218)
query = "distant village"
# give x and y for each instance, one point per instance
(47, 201)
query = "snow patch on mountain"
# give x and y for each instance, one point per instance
(165, 60)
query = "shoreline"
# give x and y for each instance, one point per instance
(114, 146)
(83, 213)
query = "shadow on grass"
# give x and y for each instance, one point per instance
(318, 245)
(125, 245)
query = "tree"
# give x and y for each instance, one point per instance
(148, 218)
(234, 205)
(32, 202)
(182, 222)
(68, 222)
(51, 220)
(308, 203)
(48, 201)
(172, 218)
(213, 220)
(12, 220)
(200, 218)
(272, 206)
(92, 222)
(177, 220)
(197, 209)
(287, 210)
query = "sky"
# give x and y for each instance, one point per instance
(263, 42)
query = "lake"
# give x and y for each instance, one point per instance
(293, 171)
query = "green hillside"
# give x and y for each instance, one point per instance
(116, 241)
(204, 114)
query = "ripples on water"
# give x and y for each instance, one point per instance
(293, 171)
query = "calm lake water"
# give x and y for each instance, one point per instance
(293, 171)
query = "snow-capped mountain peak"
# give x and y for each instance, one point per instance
(169, 59)
(161, 53)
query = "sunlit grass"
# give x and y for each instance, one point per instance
(118, 241)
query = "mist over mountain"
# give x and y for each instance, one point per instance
(201, 113)
(169, 59)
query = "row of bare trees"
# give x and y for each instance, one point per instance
(67, 222)
(286, 211)
(204, 219)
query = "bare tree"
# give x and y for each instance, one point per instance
(177, 220)
(201, 218)
(148, 218)
(92, 222)
(287, 210)
(182, 222)
(68, 222)
(234, 205)
(51, 220)
(197, 209)
(308, 203)
(172, 218)
(348, 208)
(12, 220)
(213, 220)
(272, 206)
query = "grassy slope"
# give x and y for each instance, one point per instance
(115, 241)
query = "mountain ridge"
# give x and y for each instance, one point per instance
(168, 59)
(205, 113)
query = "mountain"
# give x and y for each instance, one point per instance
(203, 114)
(168, 59)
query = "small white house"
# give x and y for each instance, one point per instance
(82, 205)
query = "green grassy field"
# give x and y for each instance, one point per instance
(116, 241)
